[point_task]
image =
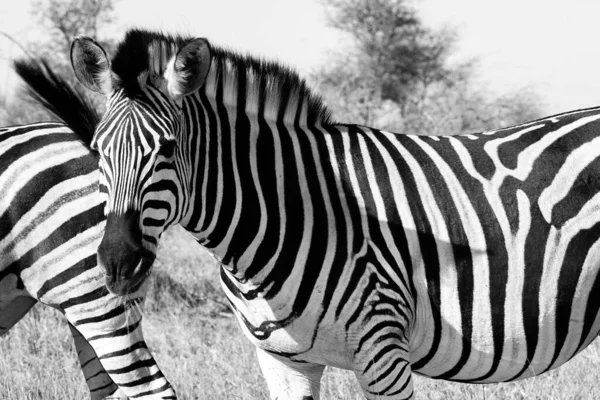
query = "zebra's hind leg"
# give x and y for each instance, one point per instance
(290, 380)
(382, 367)
(100, 384)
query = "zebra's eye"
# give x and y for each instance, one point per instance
(167, 148)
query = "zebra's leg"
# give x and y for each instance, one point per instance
(100, 384)
(290, 380)
(11, 311)
(382, 365)
(114, 333)
(15, 302)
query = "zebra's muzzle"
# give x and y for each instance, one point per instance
(121, 287)
(125, 262)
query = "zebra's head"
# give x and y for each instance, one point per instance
(138, 143)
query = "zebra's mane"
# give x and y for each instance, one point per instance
(265, 85)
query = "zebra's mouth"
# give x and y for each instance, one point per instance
(125, 285)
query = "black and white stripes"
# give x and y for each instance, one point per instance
(471, 258)
(51, 222)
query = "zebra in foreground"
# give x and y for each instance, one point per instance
(469, 258)
(51, 222)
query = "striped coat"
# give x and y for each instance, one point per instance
(468, 258)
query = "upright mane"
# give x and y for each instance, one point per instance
(271, 87)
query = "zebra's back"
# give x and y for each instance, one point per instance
(50, 212)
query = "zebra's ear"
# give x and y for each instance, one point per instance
(91, 65)
(188, 70)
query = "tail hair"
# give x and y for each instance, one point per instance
(53, 92)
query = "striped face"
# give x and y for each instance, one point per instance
(137, 142)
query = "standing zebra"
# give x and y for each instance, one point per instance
(469, 258)
(51, 222)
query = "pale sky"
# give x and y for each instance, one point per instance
(549, 45)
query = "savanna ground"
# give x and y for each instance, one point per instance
(200, 348)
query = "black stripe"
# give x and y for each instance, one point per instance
(267, 171)
(146, 379)
(570, 273)
(132, 367)
(10, 132)
(244, 232)
(585, 187)
(166, 386)
(125, 331)
(61, 234)
(229, 194)
(97, 389)
(591, 312)
(85, 298)
(130, 349)
(199, 134)
(67, 275)
(120, 309)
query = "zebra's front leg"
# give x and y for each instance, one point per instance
(382, 365)
(114, 334)
(290, 380)
(101, 386)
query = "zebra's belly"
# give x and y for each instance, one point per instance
(481, 362)
(504, 345)
(300, 341)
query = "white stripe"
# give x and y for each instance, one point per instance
(567, 175)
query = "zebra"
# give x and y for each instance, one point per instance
(51, 222)
(469, 258)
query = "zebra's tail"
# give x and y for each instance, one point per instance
(58, 96)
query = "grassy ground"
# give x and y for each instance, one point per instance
(205, 356)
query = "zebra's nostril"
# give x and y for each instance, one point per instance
(131, 264)
(120, 250)
(139, 267)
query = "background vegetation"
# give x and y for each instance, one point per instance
(393, 73)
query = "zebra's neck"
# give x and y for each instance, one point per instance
(245, 184)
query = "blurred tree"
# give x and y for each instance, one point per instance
(351, 88)
(63, 20)
(15, 106)
(399, 74)
(22, 111)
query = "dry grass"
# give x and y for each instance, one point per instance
(205, 356)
